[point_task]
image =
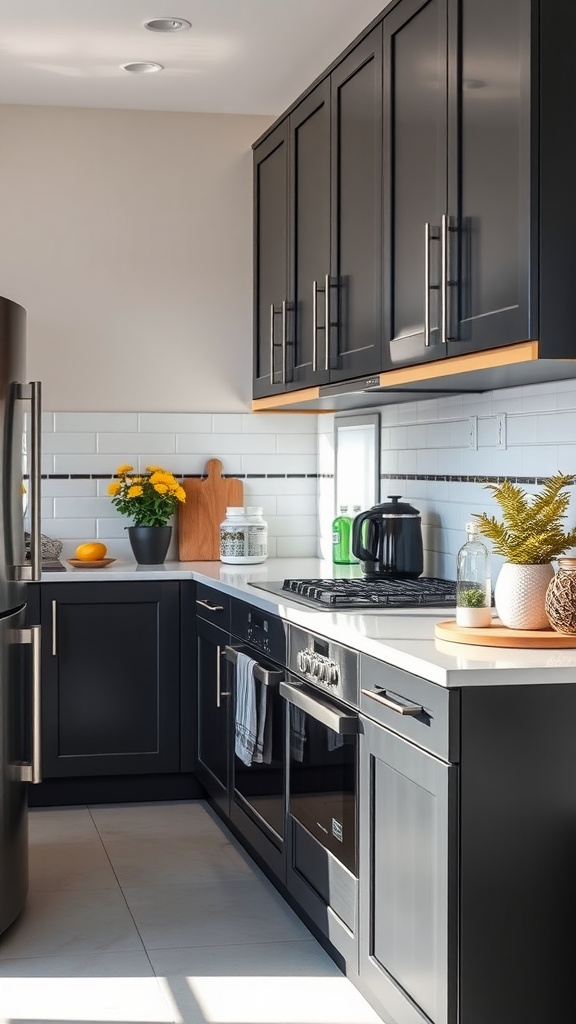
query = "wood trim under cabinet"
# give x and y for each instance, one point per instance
(523, 352)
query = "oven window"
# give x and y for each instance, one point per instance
(323, 784)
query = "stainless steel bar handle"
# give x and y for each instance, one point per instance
(431, 233)
(314, 326)
(284, 337)
(219, 691)
(327, 322)
(272, 313)
(323, 712)
(394, 705)
(32, 772)
(54, 631)
(35, 478)
(210, 607)
(449, 228)
(33, 393)
(263, 675)
(218, 680)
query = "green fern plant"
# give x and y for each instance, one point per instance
(531, 531)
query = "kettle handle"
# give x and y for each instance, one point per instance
(358, 548)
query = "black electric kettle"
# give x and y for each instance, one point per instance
(388, 540)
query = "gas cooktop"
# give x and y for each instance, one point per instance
(333, 594)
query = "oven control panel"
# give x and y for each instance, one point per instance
(325, 664)
(264, 632)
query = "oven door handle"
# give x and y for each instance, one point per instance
(267, 676)
(339, 721)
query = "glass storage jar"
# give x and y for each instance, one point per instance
(243, 536)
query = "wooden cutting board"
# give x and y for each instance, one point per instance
(498, 635)
(205, 508)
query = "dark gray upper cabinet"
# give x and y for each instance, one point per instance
(318, 208)
(457, 177)
(270, 261)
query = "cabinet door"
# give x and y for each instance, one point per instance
(110, 678)
(310, 238)
(271, 263)
(214, 696)
(415, 138)
(489, 175)
(407, 877)
(355, 299)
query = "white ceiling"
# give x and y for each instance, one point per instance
(240, 57)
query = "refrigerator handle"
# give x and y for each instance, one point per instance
(33, 393)
(32, 771)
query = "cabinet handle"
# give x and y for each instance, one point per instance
(431, 234)
(32, 772)
(219, 692)
(54, 631)
(276, 311)
(449, 228)
(314, 326)
(284, 337)
(203, 604)
(401, 709)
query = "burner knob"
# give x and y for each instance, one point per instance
(333, 674)
(323, 672)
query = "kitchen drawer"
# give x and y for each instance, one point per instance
(213, 605)
(435, 728)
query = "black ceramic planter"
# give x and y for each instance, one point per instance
(149, 543)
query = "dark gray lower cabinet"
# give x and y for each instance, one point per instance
(110, 678)
(212, 765)
(408, 817)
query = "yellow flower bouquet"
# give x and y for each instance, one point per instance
(149, 499)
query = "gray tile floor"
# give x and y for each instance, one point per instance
(153, 913)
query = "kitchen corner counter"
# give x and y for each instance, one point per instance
(398, 637)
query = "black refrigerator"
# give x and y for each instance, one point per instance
(20, 426)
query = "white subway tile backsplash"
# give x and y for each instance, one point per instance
(78, 422)
(228, 423)
(137, 444)
(279, 463)
(55, 444)
(74, 529)
(297, 547)
(226, 444)
(88, 464)
(175, 422)
(300, 444)
(82, 488)
(81, 508)
(280, 423)
(292, 526)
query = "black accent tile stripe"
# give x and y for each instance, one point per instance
(462, 479)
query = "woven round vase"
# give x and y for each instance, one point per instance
(561, 597)
(520, 594)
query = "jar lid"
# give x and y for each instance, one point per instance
(235, 510)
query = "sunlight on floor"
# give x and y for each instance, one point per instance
(82, 999)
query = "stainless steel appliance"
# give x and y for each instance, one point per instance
(388, 540)
(19, 705)
(321, 691)
(336, 594)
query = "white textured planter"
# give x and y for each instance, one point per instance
(477, 617)
(520, 593)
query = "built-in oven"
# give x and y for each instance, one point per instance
(322, 723)
(258, 732)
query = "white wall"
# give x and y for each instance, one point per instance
(127, 236)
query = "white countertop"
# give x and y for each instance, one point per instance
(402, 638)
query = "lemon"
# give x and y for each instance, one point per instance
(91, 552)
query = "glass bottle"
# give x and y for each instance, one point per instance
(341, 538)
(473, 588)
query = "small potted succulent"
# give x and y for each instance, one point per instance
(530, 535)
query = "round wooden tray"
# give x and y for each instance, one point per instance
(498, 635)
(99, 563)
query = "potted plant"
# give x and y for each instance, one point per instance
(530, 534)
(150, 499)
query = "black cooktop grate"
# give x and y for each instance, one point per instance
(391, 593)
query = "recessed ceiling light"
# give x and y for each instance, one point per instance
(167, 24)
(142, 67)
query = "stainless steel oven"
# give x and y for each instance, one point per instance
(322, 729)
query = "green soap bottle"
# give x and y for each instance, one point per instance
(341, 535)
